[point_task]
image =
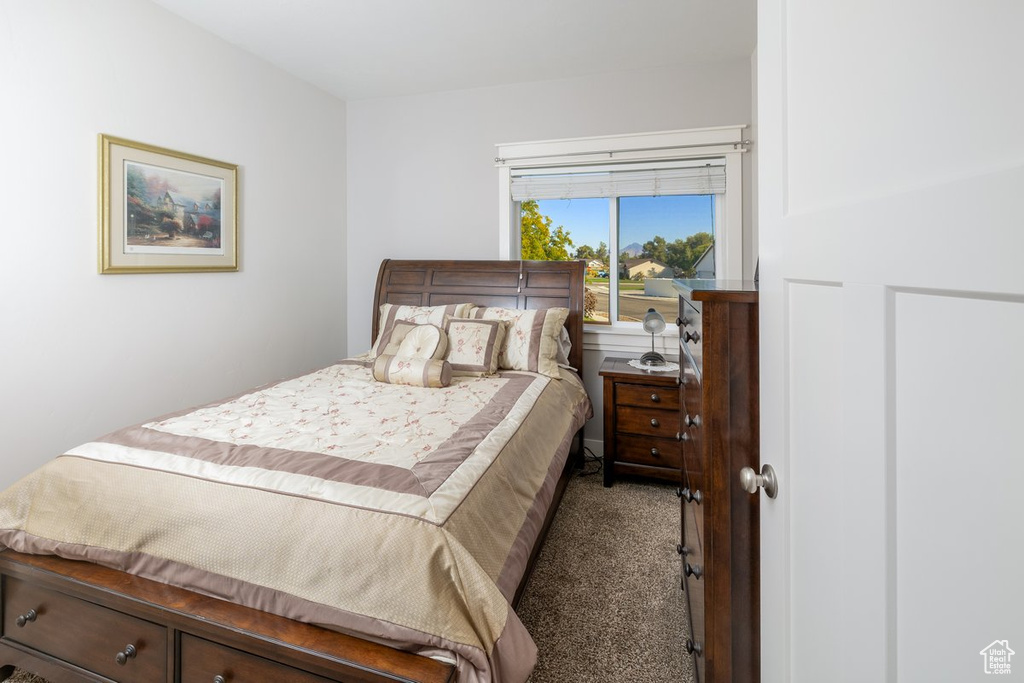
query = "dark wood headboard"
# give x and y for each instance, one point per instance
(510, 284)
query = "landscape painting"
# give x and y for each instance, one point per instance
(163, 211)
(171, 212)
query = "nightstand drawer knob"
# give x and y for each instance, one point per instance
(654, 422)
(129, 652)
(26, 618)
(655, 398)
(655, 453)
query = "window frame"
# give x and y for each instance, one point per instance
(581, 154)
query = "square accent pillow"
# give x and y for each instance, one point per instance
(419, 315)
(473, 345)
(532, 342)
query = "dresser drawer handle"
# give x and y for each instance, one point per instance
(655, 453)
(693, 647)
(691, 336)
(682, 549)
(690, 496)
(219, 679)
(693, 421)
(654, 422)
(655, 398)
(696, 571)
(682, 436)
(26, 617)
(129, 653)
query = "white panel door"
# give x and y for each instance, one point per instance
(891, 214)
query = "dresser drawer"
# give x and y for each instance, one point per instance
(646, 421)
(693, 460)
(644, 395)
(693, 573)
(202, 661)
(45, 620)
(691, 331)
(655, 452)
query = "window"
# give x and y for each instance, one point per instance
(641, 210)
(638, 228)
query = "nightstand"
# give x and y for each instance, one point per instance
(641, 420)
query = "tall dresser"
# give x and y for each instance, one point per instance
(720, 545)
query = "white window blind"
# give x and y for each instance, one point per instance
(707, 179)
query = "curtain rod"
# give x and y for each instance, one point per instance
(740, 145)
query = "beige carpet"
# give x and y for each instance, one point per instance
(604, 602)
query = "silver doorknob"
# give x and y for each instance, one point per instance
(751, 480)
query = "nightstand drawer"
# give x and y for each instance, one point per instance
(649, 396)
(635, 420)
(644, 450)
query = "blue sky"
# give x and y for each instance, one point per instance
(640, 218)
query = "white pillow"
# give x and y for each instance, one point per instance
(423, 341)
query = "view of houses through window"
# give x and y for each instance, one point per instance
(634, 247)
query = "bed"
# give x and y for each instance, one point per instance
(329, 527)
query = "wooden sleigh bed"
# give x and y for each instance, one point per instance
(69, 620)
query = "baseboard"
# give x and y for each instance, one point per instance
(596, 446)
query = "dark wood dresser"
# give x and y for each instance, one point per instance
(641, 421)
(720, 549)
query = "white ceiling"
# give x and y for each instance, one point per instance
(379, 48)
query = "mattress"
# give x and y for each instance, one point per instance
(404, 515)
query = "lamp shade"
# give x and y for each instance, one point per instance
(654, 323)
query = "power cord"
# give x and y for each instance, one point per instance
(588, 461)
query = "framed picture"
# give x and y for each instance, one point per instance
(163, 211)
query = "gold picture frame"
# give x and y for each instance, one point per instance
(163, 211)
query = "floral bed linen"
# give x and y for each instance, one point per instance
(400, 514)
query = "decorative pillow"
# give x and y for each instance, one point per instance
(390, 339)
(473, 345)
(435, 315)
(423, 341)
(532, 340)
(417, 372)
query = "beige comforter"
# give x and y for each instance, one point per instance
(401, 514)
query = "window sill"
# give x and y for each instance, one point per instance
(624, 340)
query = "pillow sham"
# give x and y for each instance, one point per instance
(564, 349)
(435, 315)
(532, 340)
(423, 341)
(417, 372)
(474, 345)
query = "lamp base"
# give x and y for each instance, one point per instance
(652, 358)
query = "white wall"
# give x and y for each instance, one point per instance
(82, 354)
(422, 180)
